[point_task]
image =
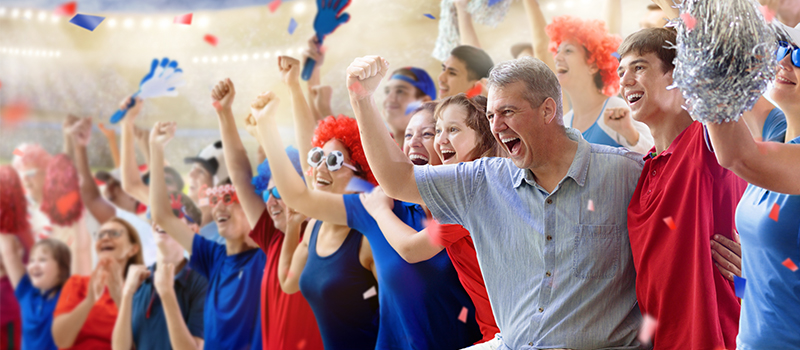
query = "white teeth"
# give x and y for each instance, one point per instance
(274, 213)
(507, 140)
(634, 97)
(784, 80)
(414, 156)
(323, 182)
(447, 151)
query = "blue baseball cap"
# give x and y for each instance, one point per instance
(424, 82)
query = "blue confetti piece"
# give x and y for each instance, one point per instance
(739, 285)
(493, 2)
(429, 16)
(87, 22)
(358, 184)
(615, 55)
(292, 26)
(412, 106)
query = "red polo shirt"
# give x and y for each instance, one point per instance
(461, 250)
(287, 321)
(676, 280)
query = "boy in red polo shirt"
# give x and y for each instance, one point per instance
(682, 199)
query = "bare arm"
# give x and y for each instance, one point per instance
(179, 335)
(131, 180)
(540, 40)
(613, 11)
(98, 206)
(666, 6)
(294, 254)
(303, 118)
(769, 165)
(81, 262)
(393, 170)
(111, 136)
(69, 122)
(314, 51)
(160, 208)
(466, 29)
(241, 173)
(122, 336)
(67, 326)
(11, 259)
(411, 245)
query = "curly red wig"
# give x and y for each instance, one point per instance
(599, 43)
(13, 207)
(345, 130)
(31, 156)
(61, 201)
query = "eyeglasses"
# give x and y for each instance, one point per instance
(226, 198)
(334, 160)
(107, 232)
(785, 49)
(273, 191)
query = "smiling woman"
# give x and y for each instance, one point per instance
(462, 133)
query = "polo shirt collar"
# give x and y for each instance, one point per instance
(182, 277)
(578, 170)
(672, 146)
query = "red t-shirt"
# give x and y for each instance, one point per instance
(461, 249)
(287, 321)
(676, 280)
(96, 331)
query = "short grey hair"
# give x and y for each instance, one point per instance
(540, 81)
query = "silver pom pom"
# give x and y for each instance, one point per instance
(725, 58)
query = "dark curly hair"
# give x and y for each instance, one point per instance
(345, 130)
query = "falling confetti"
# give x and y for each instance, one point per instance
(371, 292)
(689, 20)
(66, 9)
(18, 153)
(768, 13)
(216, 105)
(212, 40)
(773, 214)
(412, 106)
(739, 285)
(184, 19)
(615, 55)
(87, 22)
(429, 16)
(357, 88)
(671, 223)
(590, 206)
(647, 329)
(357, 184)
(434, 230)
(463, 315)
(302, 343)
(493, 2)
(14, 113)
(790, 264)
(292, 26)
(273, 6)
(65, 203)
(475, 91)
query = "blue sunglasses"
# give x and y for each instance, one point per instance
(785, 49)
(271, 191)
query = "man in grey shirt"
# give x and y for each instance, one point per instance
(558, 271)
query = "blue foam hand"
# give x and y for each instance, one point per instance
(329, 17)
(162, 79)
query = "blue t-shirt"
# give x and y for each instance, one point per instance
(211, 232)
(770, 317)
(420, 303)
(774, 126)
(37, 315)
(231, 314)
(149, 324)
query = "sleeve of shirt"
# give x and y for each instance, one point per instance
(358, 218)
(72, 293)
(205, 254)
(450, 234)
(775, 126)
(24, 287)
(196, 307)
(448, 190)
(264, 230)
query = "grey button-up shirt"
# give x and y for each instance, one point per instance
(558, 274)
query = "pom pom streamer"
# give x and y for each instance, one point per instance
(725, 60)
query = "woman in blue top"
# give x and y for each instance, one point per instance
(420, 303)
(767, 216)
(38, 288)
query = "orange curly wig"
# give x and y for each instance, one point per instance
(599, 43)
(345, 130)
(14, 207)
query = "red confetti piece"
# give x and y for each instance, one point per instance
(689, 20)
(768, 13)
(273, 6)
(790, 264)
(211, 39)
(67, 9)
(671, 223)
(647, 329)
(184, 19)
(14, 113)
(773, 214)
(357, 88)
(65, 203)
(590, 207)
(371, 292)
(18, 153)
(301, 344)
(434, 230)
(216, 105)
(463, 315)
(475, 91)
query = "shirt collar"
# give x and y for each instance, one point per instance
(672, 146)
(578, 170)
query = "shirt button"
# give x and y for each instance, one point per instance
(549, 201)
(549, 237)
(541, 310)
(530, 343)
(654, 173)
(547, 273)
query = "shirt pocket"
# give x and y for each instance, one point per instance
(596, 252)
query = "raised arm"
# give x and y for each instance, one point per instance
(111, 136)
(613, 10)
(314, 51)
(239, 169)
(411, 245)
(320, 205)
(294, 254)
(10, 249)
(160, 208)
(304, 122)
(81, 263)
(393, 170)
(98, 206)
(69, 122)
(769, 165)
(466, 29)
(131, 179)
(666, 6)
(540, 40)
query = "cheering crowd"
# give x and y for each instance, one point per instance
(561, 200)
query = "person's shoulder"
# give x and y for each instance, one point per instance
(76, 284)
(616, 156)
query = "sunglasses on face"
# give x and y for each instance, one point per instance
(272, 191)
(108, 232)
(785, 49)
(334, 160)
(227, 198)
